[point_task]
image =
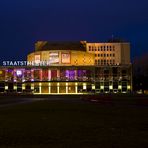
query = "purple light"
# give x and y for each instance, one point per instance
(18, 72)
(67, 73)
(70, 74)
(80, 73)
(9, 70)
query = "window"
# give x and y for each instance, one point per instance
(96, 62)
(106, 72)
(104, 55)
(104, 62)
(101, 55)
(89, 48)
(107, 55)
(107, 62)
(98, 49)
(101, 48)
(98, 55)
(113, 55)
(115, 71)
(101, 62)
(110, 55)
(95, 55)
(114, 62)
(124, 72)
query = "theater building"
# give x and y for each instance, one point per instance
(71, 68)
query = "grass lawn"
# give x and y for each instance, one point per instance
(66, 124)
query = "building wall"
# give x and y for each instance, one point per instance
(110, 53)
(101, 54)
(125, 53)
(75, 57)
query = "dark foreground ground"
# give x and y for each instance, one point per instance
(69, 122)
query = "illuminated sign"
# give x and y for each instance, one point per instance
(37, 59)
(54, 57)
(66, 58)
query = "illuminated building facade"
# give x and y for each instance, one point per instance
(71, 68)
(110, 53)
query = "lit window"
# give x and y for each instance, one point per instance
(128, 87)
(119, 87)
(101, 87)
(93, 87)
(84, 86)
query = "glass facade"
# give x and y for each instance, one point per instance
(66, 79)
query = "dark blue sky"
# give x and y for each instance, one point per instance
(23, 22)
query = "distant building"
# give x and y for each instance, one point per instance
(71, 68)
(140, 74)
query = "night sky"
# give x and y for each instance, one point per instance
(23, 22)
